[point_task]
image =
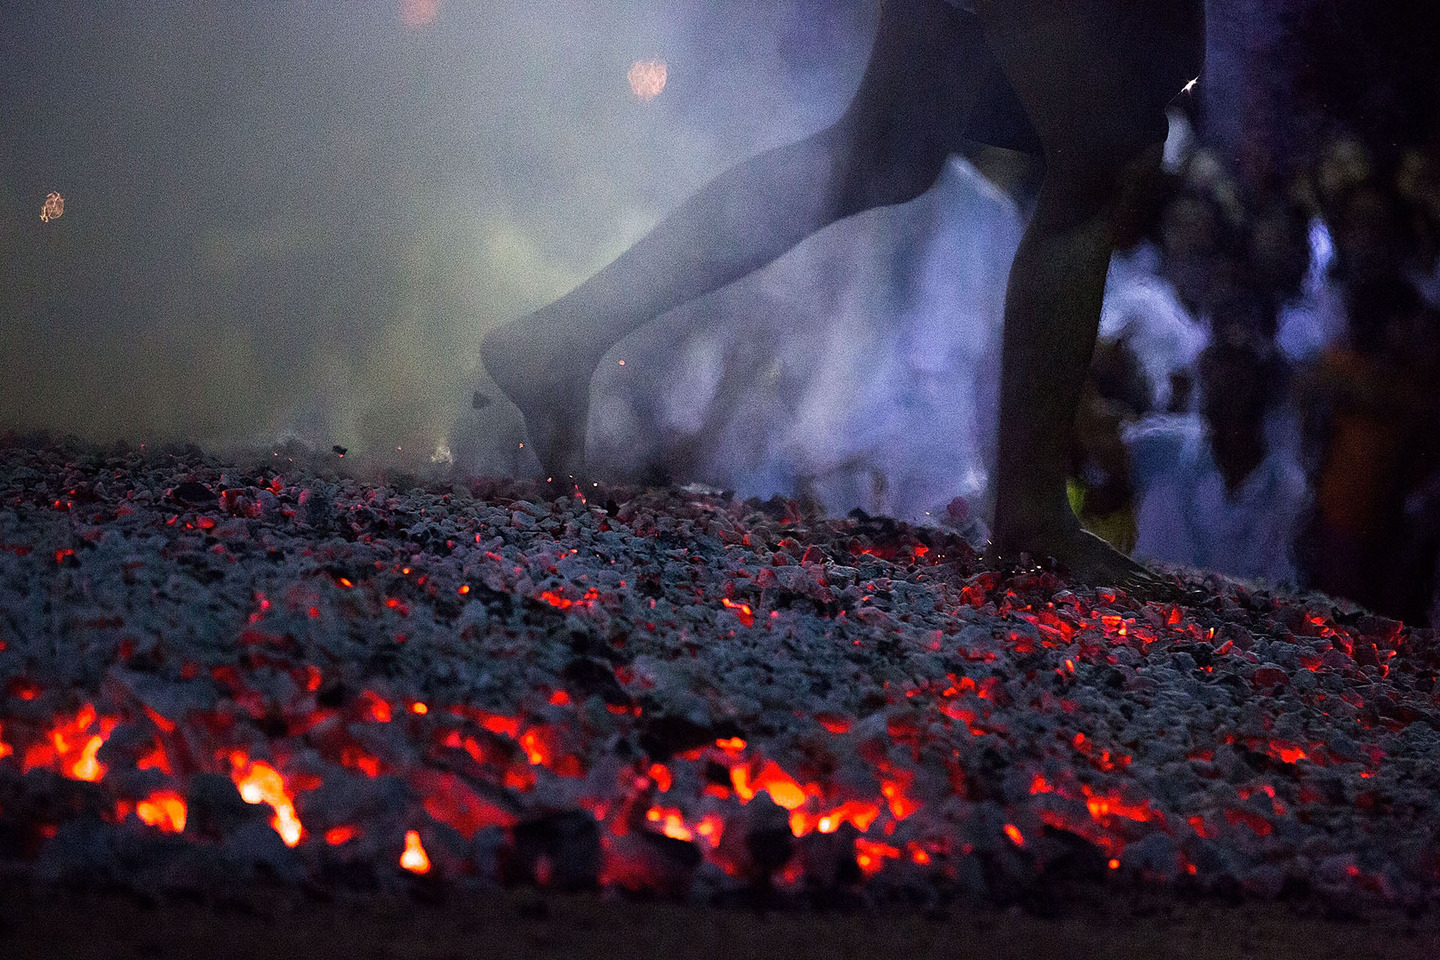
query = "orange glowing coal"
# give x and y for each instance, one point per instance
(73, 746)
(261, 783)
(671, 823)
(647, 79)
(871, 856)
(565, 603)
(336, 836)
(782, 787)
(376, 706)
(53, 209)
(414, 859)
(164, 810)
(742, 610)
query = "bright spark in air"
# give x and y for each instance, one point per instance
(54, 208)
(647, 78)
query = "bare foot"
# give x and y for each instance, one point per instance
(545, 370)
(1081, 554)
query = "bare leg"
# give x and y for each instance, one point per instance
(1095, 90)
(1052, 314)
(889, 147)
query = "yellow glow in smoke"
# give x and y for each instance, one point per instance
(647, 78)
(54, 208)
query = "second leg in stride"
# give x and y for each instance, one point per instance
(1087, 82)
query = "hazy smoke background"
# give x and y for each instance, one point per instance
(299, 218)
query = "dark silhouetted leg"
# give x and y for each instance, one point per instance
(1101, 125)
(888, 147)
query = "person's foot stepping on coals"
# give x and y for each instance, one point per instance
(544, 368)
(1079, 554)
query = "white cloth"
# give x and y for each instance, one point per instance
(1143, 307)
(1187, 516)
(1317, 319)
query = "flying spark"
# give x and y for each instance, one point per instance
(647, 78)
(54, 208)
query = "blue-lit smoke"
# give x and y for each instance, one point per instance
(300, 218)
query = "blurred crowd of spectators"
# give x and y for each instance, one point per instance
(1265, 400)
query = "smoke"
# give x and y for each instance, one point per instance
(300, 218)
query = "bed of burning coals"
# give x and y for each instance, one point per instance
(263, 670)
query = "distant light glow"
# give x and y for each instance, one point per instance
(54, 208)
(418, 13)
(647, 78)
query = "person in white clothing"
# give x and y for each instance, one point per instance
(1213, 492)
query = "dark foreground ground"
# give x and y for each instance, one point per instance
(260, 926)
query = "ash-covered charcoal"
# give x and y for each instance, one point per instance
(560, 850)
(193, 493)
(216, 671)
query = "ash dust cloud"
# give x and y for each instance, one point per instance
(298, 220)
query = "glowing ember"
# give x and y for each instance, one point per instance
(53, 209)
(164, 810)
(661, 776)
(742, 610)
(73, 745)
(336, 836)
(782, 788)
(376, 707)
(564, 603)
(1007, 707)
(414, 858)
(871, 856)
(647, 79)
(155, 759)
(671, 822)
(261, 783)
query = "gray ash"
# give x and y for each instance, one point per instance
(214, 672)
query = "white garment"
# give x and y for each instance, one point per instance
(1143, 307)
(1188, 517)
(1317, 319)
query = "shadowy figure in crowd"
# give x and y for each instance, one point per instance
(1215, 491)
(1379, 397)
(1082, 84)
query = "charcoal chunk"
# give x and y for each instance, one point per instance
(214, 807)
(665, 736)
(194, 493)
(588, 676)
(559, 850)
